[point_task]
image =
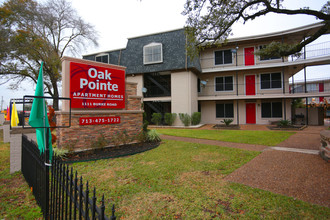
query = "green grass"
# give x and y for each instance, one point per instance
(16, 199)
(267, 138)
(186, 181)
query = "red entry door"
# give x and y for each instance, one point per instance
(250, 85)
(249, 56)
(321, 89)
(250, 113)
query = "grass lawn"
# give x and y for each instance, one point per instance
(180, 180)
(267, 138)
(16, 199)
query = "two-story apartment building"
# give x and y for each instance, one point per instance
(227, 82)
(317, 86)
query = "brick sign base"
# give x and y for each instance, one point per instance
(80, 137)
(104, 123)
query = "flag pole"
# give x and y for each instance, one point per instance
(47, 164)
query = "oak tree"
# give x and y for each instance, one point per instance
(31, 32)
(210, 22)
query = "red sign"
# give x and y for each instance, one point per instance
(98, 120)
(96, 87)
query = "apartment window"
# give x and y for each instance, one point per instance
(153, 53)
(224, 83)
(312, 87)
(271, 110)
(271, 81)
(262, 58)
(224, 110)
(222, 57)
(103, 58)
(298, 89)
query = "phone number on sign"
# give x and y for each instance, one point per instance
(99, 120)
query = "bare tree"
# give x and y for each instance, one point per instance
(33, 32)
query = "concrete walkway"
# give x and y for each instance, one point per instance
(293, 168)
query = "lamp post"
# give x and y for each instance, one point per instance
(234, 51)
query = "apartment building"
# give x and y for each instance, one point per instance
(227, 82)
(317, 86)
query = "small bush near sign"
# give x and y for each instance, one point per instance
(169, 118)
(195, 118)
(185, 118)
(156, 118)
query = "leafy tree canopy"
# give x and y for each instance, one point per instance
(209, 22)
(31, 32)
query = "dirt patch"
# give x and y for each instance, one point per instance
(110, 152)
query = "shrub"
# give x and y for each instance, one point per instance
(153, 136)
(284, 123)
(169, 118)
(145, 122)
(141, 137)
(156, 118)
(185, 118)
(61, 153)
(100, 142)
(227, 122)
(120, 138)
(195, 118)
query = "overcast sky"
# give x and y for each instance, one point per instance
(117, 20)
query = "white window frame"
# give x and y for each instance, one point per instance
(271, 108)
(225, 103)
(223, 57)
(153, 61)
(215, 83)
(270, 74)
(101, 55)
(312, 87)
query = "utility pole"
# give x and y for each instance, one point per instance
(1, 102)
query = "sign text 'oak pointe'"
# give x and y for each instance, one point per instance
(96, 87)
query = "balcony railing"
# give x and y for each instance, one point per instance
(251, 90)
(156, 91)
(240, 59)
(313, 51)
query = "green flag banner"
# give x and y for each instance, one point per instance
(38, 117)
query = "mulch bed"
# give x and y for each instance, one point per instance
(223, 126)
(110, 152)
(289, 127)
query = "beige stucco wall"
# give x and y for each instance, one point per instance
(208, 112)
(184, 93)
(315, 115)
(136, 79)
(207, 56)
(209, 89)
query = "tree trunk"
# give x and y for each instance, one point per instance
(55, 96)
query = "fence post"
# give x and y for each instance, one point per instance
(113, 217)
(47, 164)
(80, 197)
(94, 204)
(75, 196)
(86, 201)
(102, 208)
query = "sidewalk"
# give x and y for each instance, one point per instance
(303, 175)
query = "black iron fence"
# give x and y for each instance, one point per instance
(61, 194)
(35, 173)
